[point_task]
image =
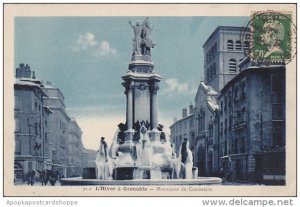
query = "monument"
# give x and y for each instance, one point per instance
(144, 154)
(140, 151)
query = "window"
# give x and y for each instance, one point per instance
(36, 128)
(211, 54)
(221, 108)
(18, 147)
(214, 69)
(221, 129)
(277, 82)
(236, 93)
(238, 45)
(211, 72)
(229, 100)
(17, 122)
(278, 133)
(243, 145)
(246, 45)
(215, 49)
(243, 95)
(210, 130)
(230, 45)
(232, 65)
(201, 121)
(243, 114)
(277, 112)
(208, 74)
(236, 146)
(230, 122)
(17, 102)
(238, 117)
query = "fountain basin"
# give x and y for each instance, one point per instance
(198, 181)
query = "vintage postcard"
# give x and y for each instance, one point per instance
(150, 99)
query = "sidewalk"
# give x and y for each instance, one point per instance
(37, 184)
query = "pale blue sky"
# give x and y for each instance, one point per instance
(86, 56)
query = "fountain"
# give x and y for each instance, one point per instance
(140, 153)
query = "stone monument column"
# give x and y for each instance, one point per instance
(154, 104)
(129, 107)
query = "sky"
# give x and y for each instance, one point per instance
(85, 57)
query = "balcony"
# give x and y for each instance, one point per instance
(210, 142)
(202, 135)
(239, 126)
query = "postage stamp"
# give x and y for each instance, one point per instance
(94, 98)
(272, 33)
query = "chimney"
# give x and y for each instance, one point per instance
(23, 71)
(191, 109)
(184, 112)
(33, 75)
(174, 119)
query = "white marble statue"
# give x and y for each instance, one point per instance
(186, 159)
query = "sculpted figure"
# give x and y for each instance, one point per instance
(137, 29)
(142, 42)
(147, 43)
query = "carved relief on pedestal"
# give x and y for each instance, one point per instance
(141, 86)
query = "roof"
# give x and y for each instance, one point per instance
(73, 120)
(47, 109)
(251, 68)
(182, 119)
(227, 28)
(28, 82)
(37, 81)
(208, 90)
(213, 104)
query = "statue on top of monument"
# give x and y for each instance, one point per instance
(142, 42)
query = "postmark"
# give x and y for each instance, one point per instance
(272, 37)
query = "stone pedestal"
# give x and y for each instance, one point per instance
(129, 135)
(141, 84)
(154, 135)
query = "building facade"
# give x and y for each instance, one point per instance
(58, 122)
(75, 149)
(46, 138)
(239, 113)
(252, 124)
(223, 51)
(205, 108)
(31, 147)
(183, 129)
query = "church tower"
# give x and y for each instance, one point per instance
(223, 51)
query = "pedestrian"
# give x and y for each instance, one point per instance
(52, 178)
(30, 177)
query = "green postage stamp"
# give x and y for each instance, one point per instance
(271, 36)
